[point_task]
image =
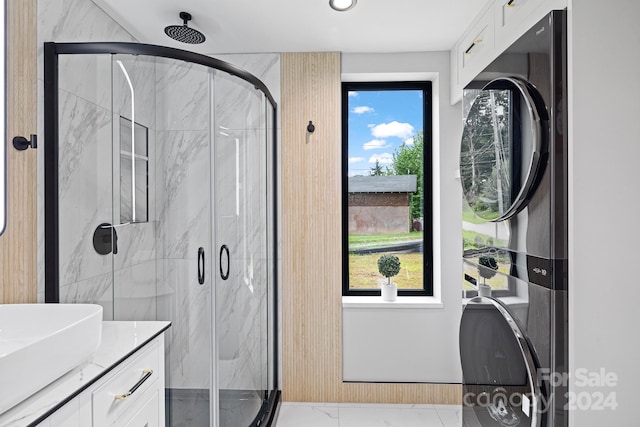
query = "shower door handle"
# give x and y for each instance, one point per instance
(201, 265)
(224, 250)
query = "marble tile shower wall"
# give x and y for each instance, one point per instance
(135, 279)
(89, 169)
(85, 101)
(85, 199)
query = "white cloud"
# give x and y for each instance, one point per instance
(383, 158)
(353, 93)
(356, 159)
(375, 144)
(408, 141)
(399, 130)
(363, 109)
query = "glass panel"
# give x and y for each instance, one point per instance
(156, 277)
(494, 367)
(385, 180)
(135, 262)
(183, 164)
(501, 148)
(486, 159)
(85, 183)
(241, 218)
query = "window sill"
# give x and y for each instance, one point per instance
(401, 302)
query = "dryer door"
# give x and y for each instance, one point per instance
(501, 386)
(504, 145)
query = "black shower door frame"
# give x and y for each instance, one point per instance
(51, 149)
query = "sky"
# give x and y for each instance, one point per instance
(379, 122)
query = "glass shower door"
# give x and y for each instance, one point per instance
(162, 203)
(162, 173)
(240, 208)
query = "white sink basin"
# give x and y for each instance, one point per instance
(41, 342)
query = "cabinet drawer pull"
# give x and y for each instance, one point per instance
(475, 42)
(147, 373)
(512, 3)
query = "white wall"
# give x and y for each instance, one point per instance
(604, 148)
(429, 334)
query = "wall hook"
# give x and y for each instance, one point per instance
(21, 143)
(310, 127)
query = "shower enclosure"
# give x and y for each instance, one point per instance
(160, 205)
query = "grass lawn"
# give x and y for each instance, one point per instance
(374, 240)
(363, 271)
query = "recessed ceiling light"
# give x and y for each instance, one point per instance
(342, 5)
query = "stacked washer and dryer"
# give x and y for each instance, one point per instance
(513, 169)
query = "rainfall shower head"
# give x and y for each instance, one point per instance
(183, 33)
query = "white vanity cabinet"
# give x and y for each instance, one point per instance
(132, 389)
(132, 394)
(121, 385)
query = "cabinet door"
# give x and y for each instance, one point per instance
(511, 13)
(147, 416)
(476, 48)
(514, 17)
(126, 387)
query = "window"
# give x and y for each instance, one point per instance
(387, 185)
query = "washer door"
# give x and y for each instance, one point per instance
(501, 386)
(503, 145)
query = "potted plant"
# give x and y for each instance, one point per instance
(389, 266)
(487, 268)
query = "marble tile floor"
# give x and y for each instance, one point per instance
(367, 415)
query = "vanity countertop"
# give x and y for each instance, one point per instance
(119, 340)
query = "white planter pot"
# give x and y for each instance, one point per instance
(389, 292)
(484, 290)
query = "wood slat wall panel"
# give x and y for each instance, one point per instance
(444, 394)
(311, 204)
(311, 249)
(18, 281)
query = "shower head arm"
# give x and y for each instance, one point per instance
(186, 17)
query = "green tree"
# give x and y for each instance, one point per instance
(376, 170)
(408, 160)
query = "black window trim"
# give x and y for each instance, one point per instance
(427, 170)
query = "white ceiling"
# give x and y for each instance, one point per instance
(252, 26)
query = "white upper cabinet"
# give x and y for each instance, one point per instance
(475, 45)
(511, 13)
(497, 26)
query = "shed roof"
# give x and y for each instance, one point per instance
(383, 184)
